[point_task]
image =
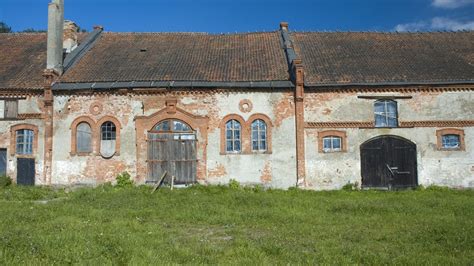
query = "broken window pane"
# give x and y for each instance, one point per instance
(386, 114)
(451, 141)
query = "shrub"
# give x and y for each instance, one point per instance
(124, 180)
(234, 184)
(350, 187)
(5, 181)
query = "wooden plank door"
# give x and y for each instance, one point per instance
(388, 162)
(25, 171)
(3, 162)
(171, 153)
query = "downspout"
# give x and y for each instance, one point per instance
(297, 76)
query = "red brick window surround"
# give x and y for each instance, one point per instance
(450, 139)
(233, 132)
(332, 136)
(246, 139)
(22, 128)
(96, 135)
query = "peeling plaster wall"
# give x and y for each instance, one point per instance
(29, 105)
(435, 167)
(277, 169)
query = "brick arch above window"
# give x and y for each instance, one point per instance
(450, 131)
(333, 133)
(269, 126)
(92, 124)
(15, 128)
(244, 133)
(118, 127)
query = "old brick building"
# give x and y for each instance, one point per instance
(317, 110)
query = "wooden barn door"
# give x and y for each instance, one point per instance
(3, 162)
(388, 162)
(25, 171)
(172, 148)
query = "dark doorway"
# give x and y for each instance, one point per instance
(3, 162)
(25, 171)
(388, 162)
(172, 148)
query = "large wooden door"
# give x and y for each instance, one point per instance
(388, 162)
(3, 162)
(25, 171)
(172, 148)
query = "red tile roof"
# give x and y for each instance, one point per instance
(119, 57)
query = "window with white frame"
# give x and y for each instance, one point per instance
(108, 133)
(386, 114)
(332, 144)
(233, 131)
(259, 135)
(24, 141)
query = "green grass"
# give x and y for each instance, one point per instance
(208, 225)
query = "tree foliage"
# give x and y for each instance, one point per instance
(4, 28)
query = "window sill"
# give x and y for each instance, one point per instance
(26, 156)
(82, 154)
(246, 153)
(451, 149)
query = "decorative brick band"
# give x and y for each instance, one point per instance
(30, 116)
(402, 124)
(338, 124)
(445, 123)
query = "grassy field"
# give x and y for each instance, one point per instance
(221, 225)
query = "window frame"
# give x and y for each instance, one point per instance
(233, 138)
(450, 131)
(332, 133)
(24, 147)
(258, 140)
(331, 140)
(385, 113)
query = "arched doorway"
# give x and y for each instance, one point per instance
(172, 148)
(388, 162)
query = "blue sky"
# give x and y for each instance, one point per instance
(248, 15)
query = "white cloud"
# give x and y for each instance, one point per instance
(449, 24)
(451, 3)
(437, 23)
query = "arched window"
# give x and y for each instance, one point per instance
(24, 141)
(176, 128)
(259, 135)
(84, 138)
(385, 112)
(233, 131)
(108, 133)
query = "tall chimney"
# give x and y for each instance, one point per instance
(55, 35)
(70, 36)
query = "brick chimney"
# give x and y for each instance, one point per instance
(69, 36)
(55, 36)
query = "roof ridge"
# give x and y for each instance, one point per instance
(188, 33)
(388, 32)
